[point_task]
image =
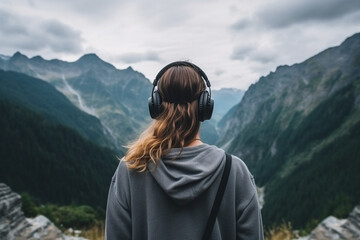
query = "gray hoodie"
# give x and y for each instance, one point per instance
(173, 201)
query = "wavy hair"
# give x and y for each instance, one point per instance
(178, 123)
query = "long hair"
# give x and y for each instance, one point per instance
(178, 123)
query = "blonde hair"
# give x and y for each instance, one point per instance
(178, 123)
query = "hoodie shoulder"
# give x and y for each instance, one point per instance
(245, 187)
(241, 168)
(120, 184)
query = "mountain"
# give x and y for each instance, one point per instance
(117, 97)
(298, 130)
(224, 100)
(4, 57)
(43, 98)
(51, 162)
(208, 132)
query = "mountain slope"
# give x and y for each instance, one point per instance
(225, 99)
(297, 127)
(43, 98)
(117, 97)
(51, 162)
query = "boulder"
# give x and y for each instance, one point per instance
(333, 228)
(15, 226)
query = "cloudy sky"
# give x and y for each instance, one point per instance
(233, 41)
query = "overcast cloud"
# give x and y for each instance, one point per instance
(281, 14)
(37, 35)
(234, 41)
(138, 57)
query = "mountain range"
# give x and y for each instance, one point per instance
(298, 130)
(118, 98)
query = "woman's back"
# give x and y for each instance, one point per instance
(174, 200)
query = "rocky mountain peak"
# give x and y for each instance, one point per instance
(37, 58)
(92, 60)
(18, 56)
(354, 39)
(89, 57)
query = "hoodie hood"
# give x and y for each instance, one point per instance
(186, 176)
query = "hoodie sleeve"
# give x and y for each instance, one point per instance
(118, 214)
(249, 222)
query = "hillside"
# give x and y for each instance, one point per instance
(51, 162)
(224, 99)
(43, 98)
(117, 97)
(298, 131)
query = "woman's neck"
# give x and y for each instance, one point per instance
(196, 141)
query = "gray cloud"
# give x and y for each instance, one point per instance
(285, 13)
(162, 12)
(241, 24)
(10, 24)
(262, 56)
(253, 53)
(62, 38)
(139, 57)
(92, 10)
(21, 33)
(219, 72)
(241, 52)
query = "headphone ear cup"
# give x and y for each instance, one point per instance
(155, 105)
(210, 108)
(206, 106)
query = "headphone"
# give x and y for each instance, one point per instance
(205, 103)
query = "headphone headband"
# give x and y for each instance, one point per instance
(182, 63)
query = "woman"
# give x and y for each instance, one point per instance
(165, 186)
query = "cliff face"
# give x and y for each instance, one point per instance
(298, 130)
(14, 225)
(12, 219)
(341, 229)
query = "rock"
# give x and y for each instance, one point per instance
(14, 225)
(41, 228)
(333, 228)
(12, 219)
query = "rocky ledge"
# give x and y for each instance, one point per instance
(14, 225)
(340, 229)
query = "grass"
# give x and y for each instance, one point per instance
(281, 232)
(96, 232)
